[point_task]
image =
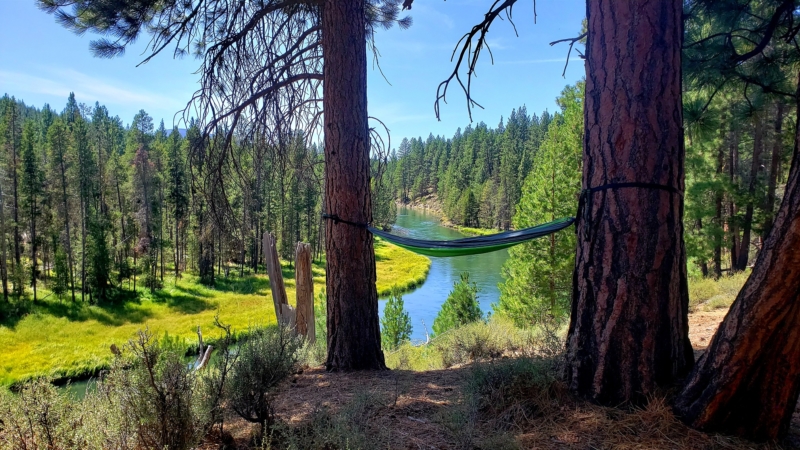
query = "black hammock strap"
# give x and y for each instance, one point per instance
(585, 201)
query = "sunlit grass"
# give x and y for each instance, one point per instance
(62, 339)
(398, 268)
(709, 294)
(475, 231)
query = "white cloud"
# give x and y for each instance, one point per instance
(87, 89)
(538, 61)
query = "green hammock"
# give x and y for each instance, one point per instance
(474, 245)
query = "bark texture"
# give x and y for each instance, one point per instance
(628, 332)
(278, 289)
(304, 287)
(354, 340)
(748, 381)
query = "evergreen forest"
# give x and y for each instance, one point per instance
(92, 206)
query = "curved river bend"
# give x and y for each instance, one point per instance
(423, 303)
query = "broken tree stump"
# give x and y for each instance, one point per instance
(283, 311)
(304, 283)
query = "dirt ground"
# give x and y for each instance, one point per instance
(408, 409)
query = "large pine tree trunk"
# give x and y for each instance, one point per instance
(628, 332)
(354, 340)
(748, 381)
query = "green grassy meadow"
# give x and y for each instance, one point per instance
(60, 339)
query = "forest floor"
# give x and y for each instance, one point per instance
(64, 339)
(479, 405)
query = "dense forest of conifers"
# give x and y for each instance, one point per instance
(89, 206)
(477, 174)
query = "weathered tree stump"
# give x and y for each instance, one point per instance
(304, 283)
(284, 313)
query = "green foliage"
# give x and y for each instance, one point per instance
(709, 294)
(477, 174)
(395, 323)
(39, 417)
(538, 274)
(156, 390)
(266, 357)
(59, 284)
(460, 308)
(99, 255)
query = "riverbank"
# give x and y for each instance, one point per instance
(65, 340)
(430, 204)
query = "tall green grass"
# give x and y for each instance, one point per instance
(61, 339)
(707, 294)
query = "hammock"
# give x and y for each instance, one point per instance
(474, 245)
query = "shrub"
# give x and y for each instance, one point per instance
(395, 324)
(348, 428)
(460, 308)
(505, 396)
(154, 389)
(266, 358)
(215, 377)
(38, 417)
(713, 294)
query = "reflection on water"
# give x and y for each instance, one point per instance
(424, 303)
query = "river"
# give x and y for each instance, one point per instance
(423, 303)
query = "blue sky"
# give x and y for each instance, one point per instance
(40, 62)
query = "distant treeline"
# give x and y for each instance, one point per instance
(477, 174)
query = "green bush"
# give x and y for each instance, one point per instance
(395, 323)
(267, 357)
(39, 417)
(714, 294)
(155, 392)
(460, 308)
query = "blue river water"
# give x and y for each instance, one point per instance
(423, 303)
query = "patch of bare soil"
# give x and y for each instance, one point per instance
(702, 326)
(409, 410)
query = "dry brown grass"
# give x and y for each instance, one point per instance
(438, 410)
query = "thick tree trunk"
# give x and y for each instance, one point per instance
(354, 338)
(774, 168)
(755, 168)
(747, 382)
(628, 330)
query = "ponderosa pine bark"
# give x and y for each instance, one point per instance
(628, 330)
(354, 339)
(748, 381)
